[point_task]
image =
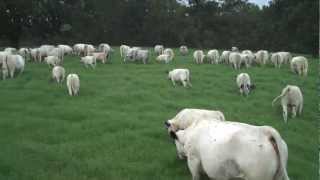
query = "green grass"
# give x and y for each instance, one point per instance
(114, 130)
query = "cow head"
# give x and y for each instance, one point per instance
(245, 89)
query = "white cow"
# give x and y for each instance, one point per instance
(230, 150)
(299, 65)
(225, 57)
(244, 83)
(106, 48)
(235, 60)
(291, 99)
(246, 59)
(135, 54)
(164, 58)
(181, 75)
(213, 56)
(67, 50)
(187, 116)
(35, 54)
(286, 56)
(24, 52)
(12, 64)
(124, 50)
(58, 73)
(277, 60)
(78, 49)
(58, 52)
(73, 84)
(52, 61)
(184, 50)
(89, 61)
(10, 50)
(261, 57)
(44, 51)
(198, 56)
(102, 56)
(158, 49)
(170, 52)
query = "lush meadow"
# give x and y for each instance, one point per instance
(115, 129)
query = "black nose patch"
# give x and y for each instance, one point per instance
(167, 125)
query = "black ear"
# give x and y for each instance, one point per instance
(173, 135)
(252, 86)
(241, 86)
(167, 125)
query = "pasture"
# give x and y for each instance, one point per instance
(115, 129)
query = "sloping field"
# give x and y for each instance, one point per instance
(115, 129)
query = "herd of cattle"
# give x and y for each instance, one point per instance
(220, 149)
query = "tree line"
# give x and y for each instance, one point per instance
(288, 25)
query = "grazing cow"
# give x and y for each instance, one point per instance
(89, 61)
(261, 57)
(244, 83)
(235, 60)
(135, 54)
(230, 150)
(225, 57)
(102, 56)
(11, 64)
(58, 73)
(286, 56)
(124, 50)
(291, 98)
(158, 49)
(52, 61)
(277, 60)
(66, 49)
(170, 52)
(164, 58)
(299, 65)
(184, 50)
(198, 56)
(181, 75)
(187, 116)
(213, 56)
(73, 84)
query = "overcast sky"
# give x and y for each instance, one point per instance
(260, 2)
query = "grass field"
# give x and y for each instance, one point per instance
(114, 130)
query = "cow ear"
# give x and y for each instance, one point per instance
(173, 135)
(241, 86)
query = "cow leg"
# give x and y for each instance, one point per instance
(294, 111)
(284, 113)
(300, 108)
(70, 91)
(194, 167)
(173, 82)
(184, 83)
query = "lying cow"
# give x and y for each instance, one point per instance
(58, 73)
(73, 84)
(299, 65)
(181, 75)
(187, 116)
(244, 83)
(231, 150)
(291, 99)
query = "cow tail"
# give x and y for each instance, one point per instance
(281, 150)
(281, 95)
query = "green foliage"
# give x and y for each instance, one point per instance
(114, 129)
(289, 25)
